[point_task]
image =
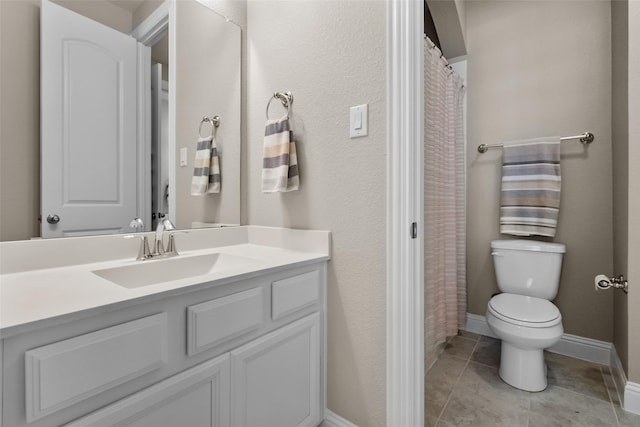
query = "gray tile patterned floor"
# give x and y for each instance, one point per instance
(463, 388)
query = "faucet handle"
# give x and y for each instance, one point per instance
(143, 252)
(167, 224)
(172, 250)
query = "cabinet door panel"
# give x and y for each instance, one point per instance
(198, 397)
(276, 378)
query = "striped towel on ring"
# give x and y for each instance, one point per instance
(280, 161)
(206, 168)
(531, 181)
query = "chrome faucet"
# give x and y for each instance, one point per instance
(158, 247)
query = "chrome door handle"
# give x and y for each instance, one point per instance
(53, 219)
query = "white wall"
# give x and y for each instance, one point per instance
(331, 55)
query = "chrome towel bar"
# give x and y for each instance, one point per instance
(585, 138)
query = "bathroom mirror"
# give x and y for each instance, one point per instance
(201, 70)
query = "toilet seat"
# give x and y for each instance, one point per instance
(524, 310)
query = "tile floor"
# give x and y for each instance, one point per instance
(463, 389)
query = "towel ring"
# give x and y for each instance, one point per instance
(215, 122)
(286, 98)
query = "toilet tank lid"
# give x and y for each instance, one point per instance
(528, 245)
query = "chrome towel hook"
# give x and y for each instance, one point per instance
(286, 98)
(215, 122)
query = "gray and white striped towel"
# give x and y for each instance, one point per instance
(531, 181)
(280, 161)
(206, 168)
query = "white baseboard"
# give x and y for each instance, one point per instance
(477, 324)
(617, 372)
(583, 348)
(569, 345)
(334, 420)
(631, 399)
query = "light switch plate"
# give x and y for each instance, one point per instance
(359, 121)
(183, 156)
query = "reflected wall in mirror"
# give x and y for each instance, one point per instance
(209, 77)
(207, 72)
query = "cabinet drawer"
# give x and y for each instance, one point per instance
(222, 319)
(66, 372)
(294, 293)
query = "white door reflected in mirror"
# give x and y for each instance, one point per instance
(89, 118)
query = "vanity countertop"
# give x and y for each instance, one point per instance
(62, 291)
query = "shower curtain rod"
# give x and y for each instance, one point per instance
(585, 138)
(446, 65)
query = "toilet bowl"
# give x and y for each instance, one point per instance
(526, 325)
(523, 316)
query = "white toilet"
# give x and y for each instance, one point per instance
(523, 317)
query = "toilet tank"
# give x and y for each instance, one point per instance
(527, 267)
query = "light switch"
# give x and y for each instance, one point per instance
(183, 156)
(359, 121)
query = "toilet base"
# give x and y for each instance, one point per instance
(523, 369)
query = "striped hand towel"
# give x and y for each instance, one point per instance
(206, 168)
(531, 181)
(280, 162)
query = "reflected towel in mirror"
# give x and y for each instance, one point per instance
(206, 168)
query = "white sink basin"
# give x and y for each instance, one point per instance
(152, 272)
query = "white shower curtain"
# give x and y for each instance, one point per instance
(445, 283)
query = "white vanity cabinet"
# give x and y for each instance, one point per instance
(245, 352)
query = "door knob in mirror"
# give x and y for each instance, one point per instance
(53, 219)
